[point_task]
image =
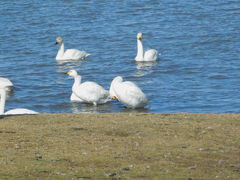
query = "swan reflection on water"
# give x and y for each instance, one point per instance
(144, 68)
(110, 107)
(77, 107)
(64, 66)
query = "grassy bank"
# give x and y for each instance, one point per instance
(120, 146)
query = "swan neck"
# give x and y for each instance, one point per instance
(77, 82)
(61, 50)
(114, 85)
(139, 56)
(111, 89)
(2, 101)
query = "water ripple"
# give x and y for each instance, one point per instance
(198, 41)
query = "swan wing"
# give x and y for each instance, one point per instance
(91, 92)
(75, 54)
(20, 111)
(75, 98)
(130, 95)
(151, 55)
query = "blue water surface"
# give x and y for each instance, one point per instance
(199, 42)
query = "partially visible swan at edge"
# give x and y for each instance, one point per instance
(149, 55)
(87, 92)
(13, 111)
(128, 93)
(6, 83)
(69, 54)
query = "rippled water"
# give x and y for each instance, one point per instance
(198, 70)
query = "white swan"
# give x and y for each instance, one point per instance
(13, 111)
(128, 93)
(6, 83)
(149, 55)
(87, 92)
(69, 54)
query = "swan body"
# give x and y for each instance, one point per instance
(13, 111)
(19, 111)
(69, 54)
(128, 93)
(75, 98)
(149, 55)
(87, 92)
(6, 83)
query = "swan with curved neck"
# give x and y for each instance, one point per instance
(127, 93)
(69, 54)
(13, 111)
(87, 92)
(149, 55)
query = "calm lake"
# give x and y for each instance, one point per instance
(199, 42)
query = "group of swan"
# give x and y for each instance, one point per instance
(74, 54)
(128, 93)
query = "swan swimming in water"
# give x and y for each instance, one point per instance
(128, 93)
(13, 111)
(6, 83)
(69, 54)
(149, 55)
(87, 92)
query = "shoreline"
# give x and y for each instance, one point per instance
(120, 146)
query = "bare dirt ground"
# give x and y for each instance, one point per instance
(120, 146)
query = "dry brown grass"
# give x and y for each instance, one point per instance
(120, 146)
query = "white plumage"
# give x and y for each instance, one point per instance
(19, 111)
(13, 111)
(75, 98)
(127, 93)
(6, 83)
(149, 55)
(69, 54)
(87, 92)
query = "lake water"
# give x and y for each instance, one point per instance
(199, 42)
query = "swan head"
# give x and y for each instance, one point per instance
(59, 40)
(139, 36)
(72, 73)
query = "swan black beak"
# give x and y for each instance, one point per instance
(56, 42)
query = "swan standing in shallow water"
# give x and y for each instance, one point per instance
(87, 92)
(13, 111)
(149, 55)
(69, 54)
(6, 83)
(128, 93)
